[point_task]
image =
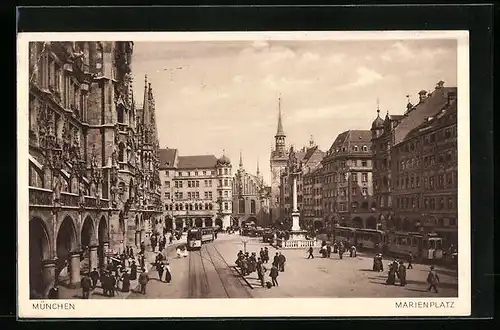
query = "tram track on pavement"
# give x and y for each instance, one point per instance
(226, 275)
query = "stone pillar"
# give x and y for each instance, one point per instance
(93, 259)
(48, 274)
(203, 223)
(183, 223)
(294, 194)
(74, 276)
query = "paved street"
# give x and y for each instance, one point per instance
(209, 274)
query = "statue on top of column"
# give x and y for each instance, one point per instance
(292, 162)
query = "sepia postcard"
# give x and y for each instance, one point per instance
(243, 174)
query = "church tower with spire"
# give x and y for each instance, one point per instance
(278, 161)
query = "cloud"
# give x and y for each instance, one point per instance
(238, 79)
(326, 112)
(366, 76)
(402, 52)
(284, 83)
(310, 57)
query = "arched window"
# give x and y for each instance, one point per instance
(210, 207)
(355, 148)
(190, 207)
(196, 207)
(241, 208)
(252, 207)
(121, 153)
(121, 115)
(177, 207)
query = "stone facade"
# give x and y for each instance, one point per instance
(250, 198)
(419, 179)
(93, 179)
(196, 190)
(347, 181)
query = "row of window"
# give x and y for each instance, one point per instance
(189, 207)
(196, 183)
(430, 203)
(197, 173)
(313, 213)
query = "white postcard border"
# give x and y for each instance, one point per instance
(291, 307)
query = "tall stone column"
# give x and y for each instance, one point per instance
(93, 259)
(295, 211)
(48, 274)
(203, 223)
(74, 276)
(183, 223)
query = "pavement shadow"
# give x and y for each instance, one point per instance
(417, 290)
(367, 270)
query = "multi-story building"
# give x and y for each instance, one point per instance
(347, 181)
(250, 198)
(93, 180)
(424, 166)
(278, 163)
(313, 198)
(196, 190)
(307, 158)
(382, 141)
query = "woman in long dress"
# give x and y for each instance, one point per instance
(168, 273)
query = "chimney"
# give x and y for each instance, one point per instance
(440, 84)
(422, 95)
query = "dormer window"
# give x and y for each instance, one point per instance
(343, 149)
(365, 148)
(355, 148)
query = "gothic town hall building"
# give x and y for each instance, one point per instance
(94, 185)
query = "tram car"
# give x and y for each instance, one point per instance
(370, 239)
(428, 246)
(342, 234)
(198, 236)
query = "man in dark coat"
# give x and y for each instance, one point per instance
(432, 279)
(274, 275)
(133, 271)
(94, 276)
(260, 271)
(143, 281)
(310, 251)
(281, 262)
(86, 284)
(341, 251)
(402, 274)
(53, 293)
(328, 251)
(112, 285)
(266, 253)
(276, 260)
(410, 261)
(391, 278)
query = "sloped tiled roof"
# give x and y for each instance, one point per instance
(198, 161)
(432, 104)
(429, 124)
(354, 136)
(167, 158)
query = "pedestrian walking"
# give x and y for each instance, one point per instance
(353, 251)
(274, 275)
(86, 285)
(402, 274)
(125, 281)
(260, 271)
(53, 293)
(341, 251)
(310, 251)
(143, 281)
(276, 259)
(328, 250)
(168, 273)
(432, 279)
(281, 262)
(391, 278)
(266, 253)
(410, 261)
(94, 276)
(160, 267)
(133, 271)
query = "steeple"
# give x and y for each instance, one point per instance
(241, 160)
(146, 117)
(280, 131)
(311, 141)
(258, 171)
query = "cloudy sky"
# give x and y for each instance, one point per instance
(220, 95)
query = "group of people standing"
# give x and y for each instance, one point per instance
(249, 263)
(338, 247)
(163, 266)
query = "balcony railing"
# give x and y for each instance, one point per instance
(69, 199)
(297, 244)
(122, 127)
(40, 196)
(104, 204)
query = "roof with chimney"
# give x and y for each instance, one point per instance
(355, 137)
(167, 158)
(431, 104)
(435, 120)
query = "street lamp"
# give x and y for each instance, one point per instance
(244, 240)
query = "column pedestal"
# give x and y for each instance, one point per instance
(74, 276)
(93, 259)
(48, 275)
